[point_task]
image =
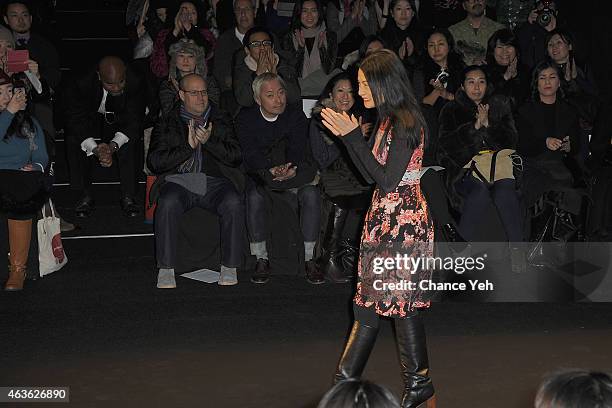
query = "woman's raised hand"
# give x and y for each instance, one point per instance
(340, 124)
(18, 102)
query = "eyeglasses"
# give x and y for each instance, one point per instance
(257, 44)
(203, 92)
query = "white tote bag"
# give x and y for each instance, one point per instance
(51, 255)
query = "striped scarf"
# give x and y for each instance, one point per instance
(194, 163)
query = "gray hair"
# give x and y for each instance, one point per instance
(253, 3)
(265, 77)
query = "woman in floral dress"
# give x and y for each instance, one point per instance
(398, 222)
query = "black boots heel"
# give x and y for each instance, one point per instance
(356, 352)
(332, 264)
(412, 344)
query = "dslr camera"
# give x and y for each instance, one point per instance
(546, 14)
(442, 78)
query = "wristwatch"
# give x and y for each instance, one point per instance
(114, 145)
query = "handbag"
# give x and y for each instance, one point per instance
(51, 255)
(490, 166)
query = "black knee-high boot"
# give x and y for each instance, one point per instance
(356, 351)
(331, 265)
(412, 344)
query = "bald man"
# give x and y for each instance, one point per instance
(104, 117)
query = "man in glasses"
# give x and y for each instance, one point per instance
(196, 156)
(104, 118)
(258, 57)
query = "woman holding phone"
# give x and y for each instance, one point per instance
(23, 158)
(398, 222)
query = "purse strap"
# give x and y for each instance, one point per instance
(492, 172)
(50, 207)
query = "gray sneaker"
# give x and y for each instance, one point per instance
(165, 279)
(228, 277)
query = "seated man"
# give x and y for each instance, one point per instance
(273, 137)
(108, 105)
(195, 155)
(258, 57)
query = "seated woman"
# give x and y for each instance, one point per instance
(340, 181)
(259, 57)
(185, 58)
(23, 158)
(473, 126)
(547, 127)
(352, 21)
(370, 44)
(312, 47)
(402, 32)
(188, 22)
(508, 76)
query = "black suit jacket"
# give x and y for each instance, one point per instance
(83, 99)
(45, 54)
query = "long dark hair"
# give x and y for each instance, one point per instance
(176, 6)
(329, 88)
(482, 69)
(393, 95)
(504, 36)
(535, 94)
(296, 19)
(454, 58)
(566, 37)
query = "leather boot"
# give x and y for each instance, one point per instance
(412, 344)
(20, 233)
(356, 352)
(331, 265)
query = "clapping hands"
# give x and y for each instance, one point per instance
(198, 134)
(339, 123)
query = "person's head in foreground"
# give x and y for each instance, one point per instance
(355, 393)
(575, 389)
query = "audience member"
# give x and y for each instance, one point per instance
(575, 389)
(196, 156)
(507, 75)
(402, 32)
(185, 58)
(106, 104)
(23, 159)
(476, 129)
(258, 57)
(472, 34)
(340, 181)
(355, 393)
(370, 44)
(273, 137)
(228, 44)
(548, 128)
(187, 22)
(352, 21)
(151, 20)
(312, 46)
(532, 34)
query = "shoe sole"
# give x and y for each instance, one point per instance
(260, 282)
(166, 286)
(231, 283)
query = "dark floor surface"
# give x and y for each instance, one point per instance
(101, 327)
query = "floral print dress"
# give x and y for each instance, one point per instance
(397, 221)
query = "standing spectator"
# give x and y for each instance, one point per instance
(507, 75)
(402, 32)
(229, 43)
(472, 34)
(257, 57)
(274, 140)
(195, 153)
(312, 46)
(23, 156)
(187, 22)
(106, 104)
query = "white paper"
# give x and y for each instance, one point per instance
(203, 275)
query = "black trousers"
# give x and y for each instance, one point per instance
(221, 198)
(127, 158)
(306, 202)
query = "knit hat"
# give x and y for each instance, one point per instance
(4, 78)
(7, 35)
(185, 46)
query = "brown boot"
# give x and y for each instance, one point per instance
(20, 233)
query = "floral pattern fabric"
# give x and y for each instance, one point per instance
(397, 221)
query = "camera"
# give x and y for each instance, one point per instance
(546, 14)
(442, 78)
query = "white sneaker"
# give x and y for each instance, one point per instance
(228, 277)
(165, 279)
